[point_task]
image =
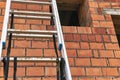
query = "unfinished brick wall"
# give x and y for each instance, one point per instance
(93, 50)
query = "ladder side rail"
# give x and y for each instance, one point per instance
(5, 24)
(61, 40)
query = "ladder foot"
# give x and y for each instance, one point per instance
(4, 45)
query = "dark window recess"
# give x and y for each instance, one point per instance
(69, 18)
(118, 37)
(116, 22)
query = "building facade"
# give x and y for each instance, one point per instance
(92, 41)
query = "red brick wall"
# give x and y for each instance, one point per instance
(93, 50)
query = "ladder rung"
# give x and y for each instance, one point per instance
(32, 17)
(33, 2)
(31, 36)
(33, 59)
(31, 31)
(31, 13)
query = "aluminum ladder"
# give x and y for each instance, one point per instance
(35, 33)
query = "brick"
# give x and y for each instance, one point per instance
(22, 26)
(32, 21)
(110, 31)
(1, 78)
(116, 78)
(104, 5)
(84, 38)
(111, 46)
(87, 79)
(117, 54)
(84, 30)
(1, 18)
(34, 53)
(91, 38)
(75, 78)
(22, 43)
(106, 53)
(77, 71)
(71, 29)
(104, 79)
(97, 17)
(99, 30)
(2, 4)
(71, 53)
(96, 45)
(72, 45)
(84, 45)
(115, 5)
(2, 11)
(110, 71)
(109, 24)
(45, 8)
(99, 62)
(103, 24)
(82, 62)
(76, 37)
(17, 52)
(108, 17)
(38, 27)
(49, 53)
(25, 64)
(31, 78)
(95, 23)
(39, 44)
(48, 78)
(1, 72)
(50, 71)
(46, 22)
(95, 53)
(20, 72)
(84, 53)
(93, 72)
(18, 6)
(98, 38)
(19, 21)
(113, 38)
(92, 10)
(93, 4)
(50, 44)
(12, 78)
(114, 62)
(35, 71)
(1, 26)
(49, 27)
(34, 7)
(68, 37)
(106, 38)
(71, 61)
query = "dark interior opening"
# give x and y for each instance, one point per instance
(69, 18)
(116, 22)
